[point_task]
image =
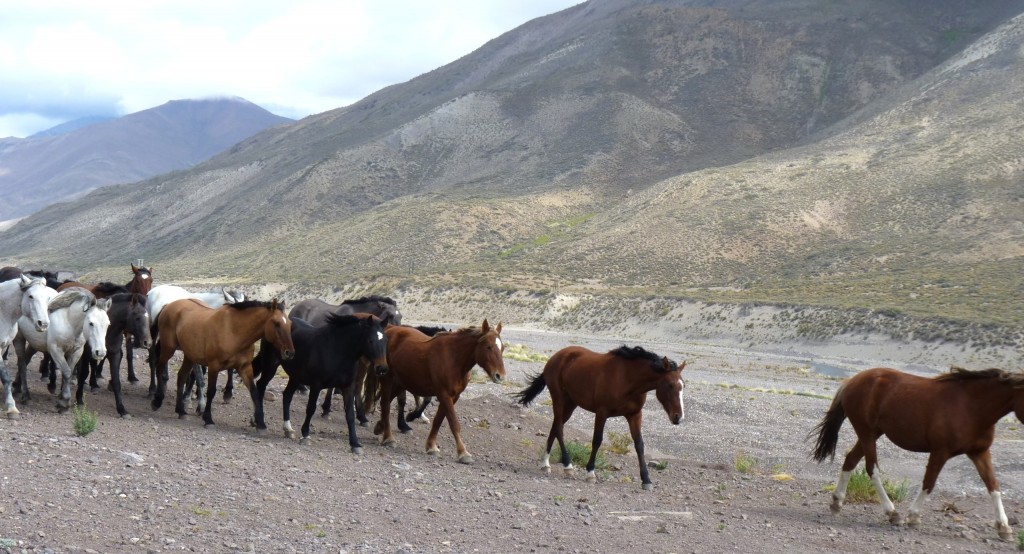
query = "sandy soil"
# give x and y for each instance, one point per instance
(154, 483)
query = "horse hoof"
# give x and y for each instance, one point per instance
(51, 388)
(1005, 533)
(133, 380)
(465, 459)
(567, 471)
(182, 416)
(357, 450)
(433, 451)
(304, 441)
(405, 431)
(227, 400)
(546, 469)
(126, 416)
(61, 409)
(378, 428)
(261, 432)
(209, 425)
(289, 434)
(648, 486)
(364, 423)
(895, 519)
(14, 414)
(591, 477)
(424, 419)
(390, 441)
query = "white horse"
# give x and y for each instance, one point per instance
(163, 295)
(77, 318)
(22, 297)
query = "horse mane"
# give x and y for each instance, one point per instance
(341, 320)
(254, 303)
(68, 297)
(431, 330)
(638, 353)
(107, 288)
(371, 298)
(961, 374)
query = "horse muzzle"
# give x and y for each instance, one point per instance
(497, 378)
(381, 370)
(42, 326)
(676, 419)
(99, 354)
(287, 354)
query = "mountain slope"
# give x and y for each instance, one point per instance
(851, 154)
(40, 170)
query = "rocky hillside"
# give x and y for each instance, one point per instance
(853, 154)
(71, 160)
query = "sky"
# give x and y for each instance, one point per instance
(65, 59)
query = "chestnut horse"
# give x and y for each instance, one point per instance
(609, 385)
(437, 366)
(952, 414)
(220, 338)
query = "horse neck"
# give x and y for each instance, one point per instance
(73, 315)
(991, 399)
(10, 301)
(464, 353)
(248, 328)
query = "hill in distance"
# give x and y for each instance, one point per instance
(72, 159)
(852, 154)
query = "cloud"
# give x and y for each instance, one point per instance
(65, 59)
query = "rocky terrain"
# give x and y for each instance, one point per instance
(736, 476)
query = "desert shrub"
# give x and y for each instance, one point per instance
(84, 421)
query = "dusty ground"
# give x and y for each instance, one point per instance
(155, 483)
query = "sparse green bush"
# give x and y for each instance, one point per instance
(860, 490)
(579, 455)
(745, 463)
(84, 421)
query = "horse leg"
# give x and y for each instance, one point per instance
(562, 415)
(326, 406)
(359, 387)
(983, 462)
(261, 393)
(229, 387)
(871, 465)
(130, 360)
(182, 381)
(64, 400)
(314, 395)
(348, 395)
(82, 369)
(286, 407)
(211, 391)
(936, 460)
(24, 352)
(447, 405)
(246, 371)
(114, 357)
(383, 427)
(435, 426)
(595, 444)
(94, 373)
(153, 359)
(51, 369)
(403, 426)
(421, 405)
(638, 444)
(10, 409)
(161, 378)
(200, 374)
(849, 464)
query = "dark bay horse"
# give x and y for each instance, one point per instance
(952, 414)
(128, 316)
(315, 311)
(220, 338)
(141, 283)
(609, 385)
(437, 366)
(326, 357)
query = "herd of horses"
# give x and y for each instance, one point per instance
(361, 345)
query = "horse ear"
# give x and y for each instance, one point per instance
(134, 269)
(485, 327)
(103, 304)
(498, 328)
(273, 304)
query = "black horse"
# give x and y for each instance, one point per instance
(315, 311)
(326, 357)
(127, 314)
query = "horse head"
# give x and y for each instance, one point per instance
(669, 390)
(278, 330)
(34, 299)
(138, 322)
(142, 282)
(489, 352)
(95, 328)
(375, 347)
(390, 313)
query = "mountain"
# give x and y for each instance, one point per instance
(66, 162)
(73, 125)
(853, 154)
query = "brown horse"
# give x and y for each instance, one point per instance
(609, 385)
(142, 281)
(948, 415)
(221, 338)
(437, 366)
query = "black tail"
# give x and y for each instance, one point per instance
(527, 395)
(828, 430)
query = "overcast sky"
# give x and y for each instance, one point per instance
(61, 60)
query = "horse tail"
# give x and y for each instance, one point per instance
(537, 384)
(828, 429)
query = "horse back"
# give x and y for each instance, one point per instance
(412, 359)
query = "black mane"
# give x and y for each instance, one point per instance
(341, 320)
(371, 298)
(637, 353)
(109, 289)
(253, 304)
